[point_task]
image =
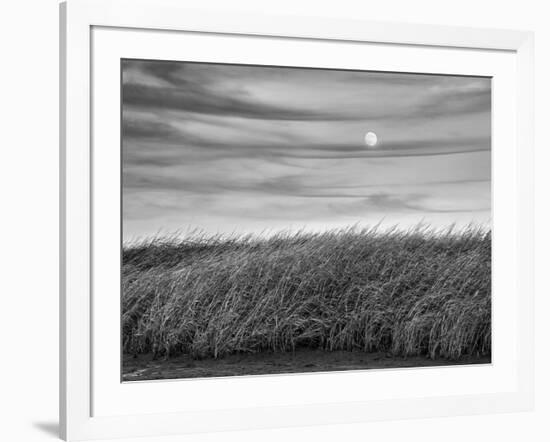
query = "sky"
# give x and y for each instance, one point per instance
(238, 149)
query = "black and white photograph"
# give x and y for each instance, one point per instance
(275, 221)
(280, 219)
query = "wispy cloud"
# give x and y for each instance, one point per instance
(178, 142)
(204, 89)
(247, 147)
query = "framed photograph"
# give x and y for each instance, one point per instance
(282, 221)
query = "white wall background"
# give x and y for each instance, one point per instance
(29, 202)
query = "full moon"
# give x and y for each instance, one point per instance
(371, 139)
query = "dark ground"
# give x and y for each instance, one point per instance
(144, 367)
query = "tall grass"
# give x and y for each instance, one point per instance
(417, 292)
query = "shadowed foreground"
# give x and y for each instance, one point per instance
(339, 300)
(144, 367)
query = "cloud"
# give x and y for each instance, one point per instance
(224, 146)
(147, 129)
(416, 202)
(284, 185)
(174, 145)
(201, 100)
(203, 89)
(399, 204)
(160, 143)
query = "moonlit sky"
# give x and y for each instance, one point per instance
(250, 149)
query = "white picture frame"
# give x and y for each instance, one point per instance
(80, 380)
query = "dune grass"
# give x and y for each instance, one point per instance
(407, 293)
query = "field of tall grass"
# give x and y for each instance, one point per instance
(416, 292)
